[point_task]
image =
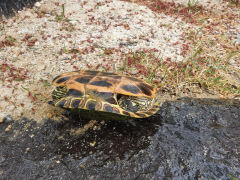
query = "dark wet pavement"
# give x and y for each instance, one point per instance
(187, 139)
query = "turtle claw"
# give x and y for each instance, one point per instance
(51, 103)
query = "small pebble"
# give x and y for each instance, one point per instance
(73, 22)
(37, 4)
(7, 119)
(2, 159)
(92, 143)
(8, 128)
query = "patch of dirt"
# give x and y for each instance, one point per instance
(58, 36)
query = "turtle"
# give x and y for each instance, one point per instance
(105, 92)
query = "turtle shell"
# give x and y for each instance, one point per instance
(94, 90)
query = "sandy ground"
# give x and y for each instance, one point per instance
(39, 44)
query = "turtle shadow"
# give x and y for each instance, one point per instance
(193, 137)
(76, 138)
(113, 138)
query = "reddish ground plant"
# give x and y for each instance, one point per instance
(7, 41)
(13, 73)
(173, 9)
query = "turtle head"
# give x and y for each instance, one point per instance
(59, 92)
(134, 104)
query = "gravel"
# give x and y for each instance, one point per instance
(36, 45)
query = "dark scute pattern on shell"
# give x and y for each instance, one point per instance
(83, 80)
(61, 80)
(91, 105)
(130, 88)
(108, 108)
(75, 103)
(146, 89)
(61, 103)
(149, 113)
(107, 96)
(104, 95)
(74, 93)
(101, 83)
(111, 100)
(141, 115)
(92, 73)
(56, 78)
